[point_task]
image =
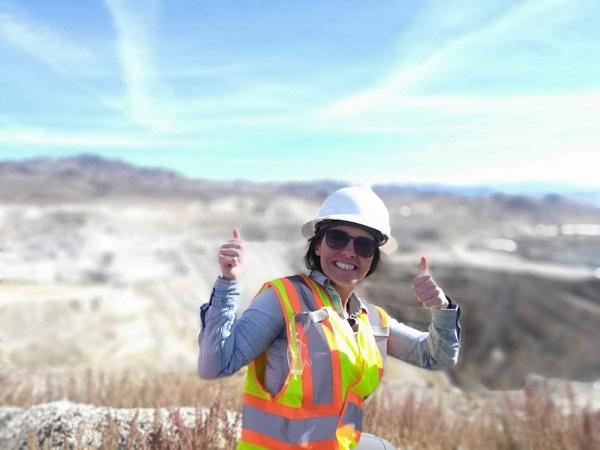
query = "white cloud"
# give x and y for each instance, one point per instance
(52, 47)
(40, 137)
(402, 80)
(44, 43)
(493, 159)
(475, 139)
(573, 113)
(134, 23)
(572, 166)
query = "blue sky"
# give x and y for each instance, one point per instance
(360, 91)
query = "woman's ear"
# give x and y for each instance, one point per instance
(318, 249)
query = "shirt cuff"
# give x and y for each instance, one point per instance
(446, 317)
(225, 293)
(223, 296)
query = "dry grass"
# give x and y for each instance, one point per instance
(503, 421)
(119, 389)
(411, 419)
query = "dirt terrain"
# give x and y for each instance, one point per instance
(105, 265)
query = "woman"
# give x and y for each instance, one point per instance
(315, 350)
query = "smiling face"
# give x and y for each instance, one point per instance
(344, 267)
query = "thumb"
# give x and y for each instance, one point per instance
(236, 233)
(423, 266)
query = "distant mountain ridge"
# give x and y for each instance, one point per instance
(89, 176)
(86, 177)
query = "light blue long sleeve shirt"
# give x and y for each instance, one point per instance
(227, 343)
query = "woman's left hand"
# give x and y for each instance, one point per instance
(429, 294)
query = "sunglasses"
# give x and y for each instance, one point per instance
(338, 239)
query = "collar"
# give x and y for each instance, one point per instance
(354, 302)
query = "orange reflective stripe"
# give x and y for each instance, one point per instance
(318, 291)
(318, 300)
(307, 378)
(275, 444)
(292, 294)
(336, 368)
(253, 385)
(355, 398)
(291, 392)
(291, 412)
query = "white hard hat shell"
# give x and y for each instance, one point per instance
(356, 204)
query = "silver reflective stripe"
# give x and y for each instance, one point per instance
(313, 316)
(320, 357)
(293, 431)
(320, 354)
(352, 416)
(318, 316)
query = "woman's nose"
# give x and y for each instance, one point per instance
(349, 248)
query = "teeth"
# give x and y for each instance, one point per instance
(344, 266)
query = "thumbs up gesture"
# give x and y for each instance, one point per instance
(426, 289)
(231, 255)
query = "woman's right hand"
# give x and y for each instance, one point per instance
(231, 256)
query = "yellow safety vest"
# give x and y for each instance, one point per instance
(332, 370)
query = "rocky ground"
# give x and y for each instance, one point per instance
(114, 282)
(64, 424)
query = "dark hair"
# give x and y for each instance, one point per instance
(313, 261)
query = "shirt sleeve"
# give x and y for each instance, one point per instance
(226, 342)
(436, 348)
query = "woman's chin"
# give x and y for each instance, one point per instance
(345, 278)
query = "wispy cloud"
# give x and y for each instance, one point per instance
(401, 82)
(525, 134)
(485, 139)
(473, 166)
(479, 113)
(134, 23)
(33, 136)
(44, 43)
(256, 103)
(55, 49)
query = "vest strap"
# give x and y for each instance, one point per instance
(314, 316)
(380, 331)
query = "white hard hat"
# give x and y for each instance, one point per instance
(356, 204)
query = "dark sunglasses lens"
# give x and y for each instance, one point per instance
(336, 239)
(364, 247)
